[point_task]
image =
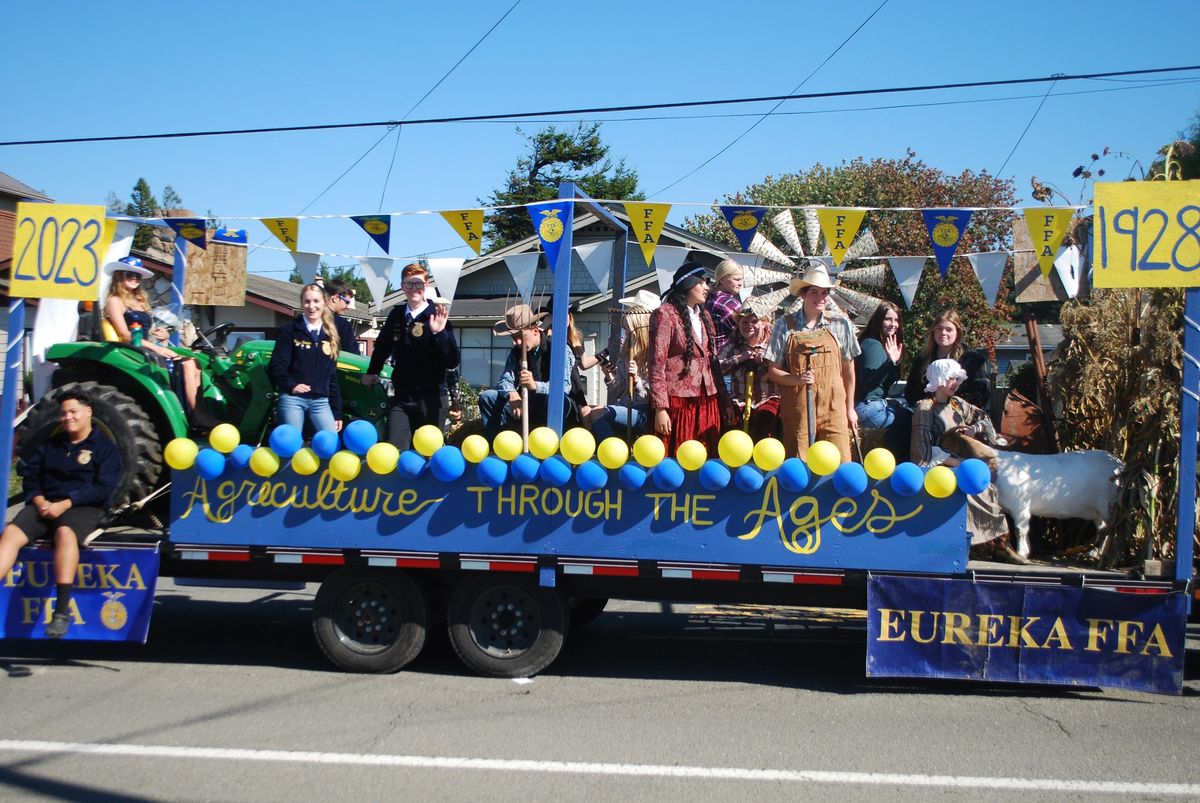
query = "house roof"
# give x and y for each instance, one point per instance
(18, 189)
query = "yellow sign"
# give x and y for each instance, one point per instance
(287, 229)
(469, 225)
(647, 221)
(1047, 225)
(1147, 234)
(58, 251)
(839, 227)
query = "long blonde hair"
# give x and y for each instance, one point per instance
(636, 321)
(929, 350)
(335, 343)
(117, 288)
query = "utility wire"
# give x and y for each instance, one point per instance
(474, 118)
(1017, 144)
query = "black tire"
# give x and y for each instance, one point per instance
(119, 418)
(506, 627)
(584, 611)
(370, 620)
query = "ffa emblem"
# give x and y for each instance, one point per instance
(418, 329)
(113, 614)
(744, 220)
(945, 234)
(325, 348)
(375, 227)
(85, 457)
(551, 229)
(191, 232)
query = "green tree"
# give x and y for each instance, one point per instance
(344, 273)
(906, 182)
(555, 156)
(142, 203)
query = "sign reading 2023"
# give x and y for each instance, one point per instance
(1147, 234)
(58, 250)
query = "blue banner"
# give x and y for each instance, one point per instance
(549, 221)
(946, 227)
(191, 229)
(1013, 633)
(378, 226)
(744, 221)
(230, 236)
(112, 600)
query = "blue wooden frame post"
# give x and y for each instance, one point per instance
(1189, 404)
(12, 383)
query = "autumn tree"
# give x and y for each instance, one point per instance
(552, 157)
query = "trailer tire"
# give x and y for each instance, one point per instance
(370, 620)
(584, 611)
(506, 627)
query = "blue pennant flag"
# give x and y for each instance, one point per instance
(946, 227)
(230, 236)
(378, 226)
(550, 221)
(190, 229)
(744, 221)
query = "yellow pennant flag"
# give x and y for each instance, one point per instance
(1047, 225)
(647, 221)
(287, 229)
(839, 227)
(469, 225)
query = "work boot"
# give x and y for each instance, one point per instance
(58, 625)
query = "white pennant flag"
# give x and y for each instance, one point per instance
(306, 264)
(597, 260)
(667, 259)
(989, 267)
(375, 274)
(764, 247)
(907, 271)
(1067, 263)
(787, 227)
(445, 272)
(523, 268)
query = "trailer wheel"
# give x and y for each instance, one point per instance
(370, 620)
(584, 611)
(506, 627)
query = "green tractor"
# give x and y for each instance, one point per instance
(138, 409)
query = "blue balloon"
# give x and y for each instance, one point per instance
(555, 471)
(285, 440)
(447, 464)
(907, 479)
(210, 463)
(326, 444)
(793, 475)
(667, 475)
(492, 471)
(359, 436)
(524, 468)
(850, 479)
(714, 476)
(632, 476)
(747, 479)
(591, 476)
(411, 465)
(240, 456)
(973, 476)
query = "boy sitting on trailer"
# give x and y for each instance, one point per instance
(501, 408)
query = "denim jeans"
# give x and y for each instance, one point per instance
(876, 413)
(891, 415)
(292, 410)
(616, 420)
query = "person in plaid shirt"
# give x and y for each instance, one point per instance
(744, 358)
(724, 302)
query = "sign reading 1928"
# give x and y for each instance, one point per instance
(58, 250)
(1147, 234)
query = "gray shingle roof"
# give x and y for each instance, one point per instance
(10, 186)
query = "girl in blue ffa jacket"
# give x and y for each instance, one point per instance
(303, 365)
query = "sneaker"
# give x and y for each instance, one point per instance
(58, 625)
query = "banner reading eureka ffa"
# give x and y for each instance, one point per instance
(1146, 234)
(58, 251)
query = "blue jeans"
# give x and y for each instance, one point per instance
(876, 413)
(891, 415)
(292, 410)
(617, 419)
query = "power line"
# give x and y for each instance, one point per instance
(1028, 125)
(607, 109)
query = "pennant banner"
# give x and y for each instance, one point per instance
(839, 227)
(469, 225)
(786, 225)
(375, 274)
(989, 268)
(744, 221)
(550, 221)
(445, 272)
(1047, 225)
(646, 222)
(907, 271)
(1068, 264)
(378, 226)
(191, 229)
(667, 259)
(307, 264)
(287, 229)
(946, 227)
(597, 260)
(523, 268)
(229, 236)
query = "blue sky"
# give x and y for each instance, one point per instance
(83, 69)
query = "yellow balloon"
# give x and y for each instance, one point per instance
(475, 448)
(577, 446)
(305, 462)
(264, 462)
(735, 448)
(649, 450)
(344, 465)
(383, 457)
(612, 453)
(940, 482)
(543, 442)
(691, 455)
(823, 458)
(428, 439)
(224, 438)
(181, 453)
(879, 463)
(507, 445)
(769, 454)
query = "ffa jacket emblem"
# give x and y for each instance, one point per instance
(418, 329)
(325, 348)
(85, 457)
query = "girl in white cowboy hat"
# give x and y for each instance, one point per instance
(812, 356)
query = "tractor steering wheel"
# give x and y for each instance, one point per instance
(213, 339)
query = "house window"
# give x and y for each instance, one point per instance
(482, 355)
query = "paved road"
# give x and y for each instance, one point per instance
(232, 700)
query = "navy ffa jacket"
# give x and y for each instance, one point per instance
(420, 359)
(298, 359)
(346, 334)
(87, 472)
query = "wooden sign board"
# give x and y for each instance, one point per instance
(216, 276)
(1031, 285)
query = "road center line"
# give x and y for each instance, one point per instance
(591, 768)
